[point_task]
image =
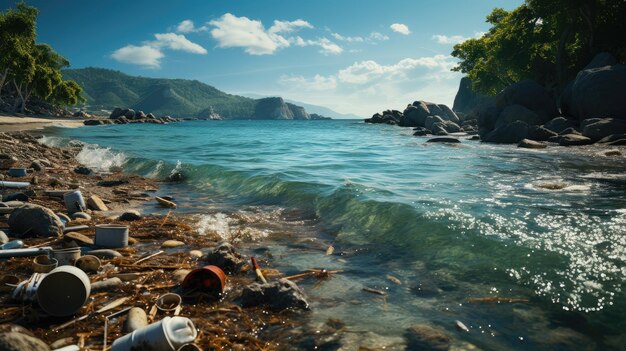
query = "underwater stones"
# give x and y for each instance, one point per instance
(278, 295)
(427, 338)
(226, 257)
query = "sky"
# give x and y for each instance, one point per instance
(354, 56)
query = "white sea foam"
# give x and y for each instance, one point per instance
(217, 224)
(98, 158)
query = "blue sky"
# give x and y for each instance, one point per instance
(356, 56)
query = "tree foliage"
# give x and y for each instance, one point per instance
(31, 69)
(548, 41)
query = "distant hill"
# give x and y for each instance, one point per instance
(107, 89)
(320, 110)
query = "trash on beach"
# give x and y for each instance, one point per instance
(111, 236)
(393, 279)
(8, 282)
(44, 264)
(208, 279)
(106, 285)
(169, 302)
(144, 259)
(26, 291)
(88, 263)
(375, 291)
(14, 185)
(66, 256)
(315, 273)
(63, 291)
(25, 252)
(17, 172)
(74, 201)
(166, 335)
(257, 270)
(165, 203)
(75, 228)
(11, 245)
(111, 305)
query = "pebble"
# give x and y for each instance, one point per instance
(106, 285)
(95, 203)
(130, 215)
(105, 253)
(136, 319)
(78, 237)
(172, 243)
(36, 165)
(196, 254)
(180, 274)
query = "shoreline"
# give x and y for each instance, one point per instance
(26, 123)
(222, 322)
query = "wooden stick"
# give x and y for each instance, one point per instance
(149, 257)
(165, 218)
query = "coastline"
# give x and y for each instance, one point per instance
(222, 322)
(15, 123)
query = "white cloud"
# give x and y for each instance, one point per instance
(328, 47)
(185, 26)
(400, 28)
(454, 39)
(175, 41)
(317, 83)
(378, 36)
(348, 39)
(145, 55)
(232, 31)
(366, 71)
(151, 52)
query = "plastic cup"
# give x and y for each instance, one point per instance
(44, 264)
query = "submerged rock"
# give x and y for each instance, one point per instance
(34, 220)
(444, 140)
(427, 338)
(278, 295)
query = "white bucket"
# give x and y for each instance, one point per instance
(111, 236)
(63, 291)
(66, 257)
(166, 335)
(74, 201)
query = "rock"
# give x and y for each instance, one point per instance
(531, 144)
(139, 115)
(486, 114)
(438, 128)
(570, 130)
(508, 134)
(603, 128)
(13, 341)
(176, 176)
(105, 253)
(466, 98)
(600, 93)
(34, 220)
(81, 114)
(474, 137)
(517, 112)
(421, 131)
(195, 254)
(37, 166)
(83, 170)
(95, 203)
(180, 274)
(444, 140)
(427, 338)
(451, 127)
(130, 215)
(117, 112)
(539, 133)
(111, 183)
(278, 295)
(559, 124)
(414, 115)
(80, 215)
(129, 113)
(612, 138)
(430, 120)
(168, 244)
(609, 153)
(64, 217)
(135, 319)
(94, 122)
(3, 238)
(227, 258)
(78, 238)
(434, 109)
(574, 139)
(532, 96)
(585, 122)
(448, 114)
(150, 116)
(601, 60)
(106, 285)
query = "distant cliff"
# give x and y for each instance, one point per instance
(106, 89)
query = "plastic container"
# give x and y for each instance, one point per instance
(35, 251)
(168, 334)
(111, 236)
(74, 201)
(88, 263)
(168, 302)
(26, 291)
(209, 279)
(66, 257)
(14, 185)
(63, 291)
(18, 172)
(188, 347)
(11, 245)
(44, 264)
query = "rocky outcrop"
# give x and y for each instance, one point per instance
(298, 112)
(604, 127)
(277, 108)
(466, 98)
(599, 93)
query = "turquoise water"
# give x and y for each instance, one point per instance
(451, 223)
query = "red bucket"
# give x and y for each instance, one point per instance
(210, 279)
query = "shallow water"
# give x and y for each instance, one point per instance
(449, 222)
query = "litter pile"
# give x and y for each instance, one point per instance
(82, 269)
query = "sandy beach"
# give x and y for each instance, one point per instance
(14, 123)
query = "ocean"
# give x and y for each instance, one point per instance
(450, 232)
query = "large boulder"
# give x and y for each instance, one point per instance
(414, 116)
(227, 258)
(486, 115)
(511, 133)
(540, 133)
(15, 341)
(517, 112)
(117, 112)
(603, 128)
(434, 109)
(430, 120)
(466, 98)
(559, 124)
(574, 140)
(35, 221)
(601, 60)
(530, 95)
(531, 144)
(600, 93)
(448, 114)
(438, 128)
(129, 113)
